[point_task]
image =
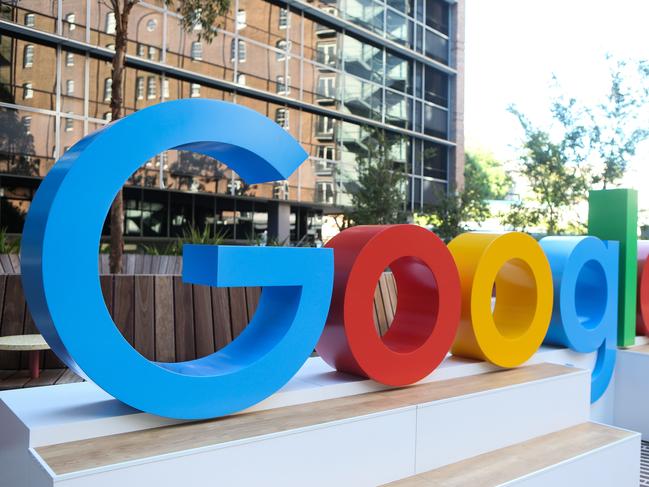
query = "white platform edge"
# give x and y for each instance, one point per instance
(622, 458)
(62, 413)
(576, 386)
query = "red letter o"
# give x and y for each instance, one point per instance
(428, 304)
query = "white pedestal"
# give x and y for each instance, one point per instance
(632, 391)
(363, 450)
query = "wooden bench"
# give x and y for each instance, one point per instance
(163, 318)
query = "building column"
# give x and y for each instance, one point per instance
(279, 221)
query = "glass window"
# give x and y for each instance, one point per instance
(283, 18)
(165, 88)
(151, 87)
(28, 91)
(180, 213)
(435, 160)
(69, 87)
(69, 124)
(139, 88)
(30, 20)
(28, 56)
(197, 51)
(435, 121)
(326, 88)
(283, 46)
(281, 117)
(398, 73)
(69, 59)
(324, 127)
(108, 89)
(436, 47)
(283, 88)
(225, 217)
(241, 19)
(195, 90)
(70, 19)
(154, 213)
(27, 123)
(398, 28)
(326, 53)
(108, 116)
(437, 15)
(363, 60)
(241, 79)
(141, 49)
(238, 49)
(110, 23)
(436, 87)
(152, 53)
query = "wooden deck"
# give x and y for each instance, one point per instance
(12, 379)
(506, 464)
(97, 452)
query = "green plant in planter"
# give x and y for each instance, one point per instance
(8, 245)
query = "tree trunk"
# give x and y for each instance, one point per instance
(116, 103)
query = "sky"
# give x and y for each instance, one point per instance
(513, 47)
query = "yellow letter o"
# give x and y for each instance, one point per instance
(511, 332)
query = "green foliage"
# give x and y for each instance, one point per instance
(454, 212)
(191, 235)
(497, 183)
(380, 196)
(607, 134)
(8, 245)
(201, 16)
(556, 180)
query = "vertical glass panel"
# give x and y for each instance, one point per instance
(396, 109)
(204, 214)
(15, 199)
(436, 47)
(366, 13)
(437, 15)
(21, 152)
(435, 160)
(154, 213)
(245, 213)
(398, 28)
(132, 212)
(432, 191)
(362, 98)
(225, 218)
(435, 121)
(72, 82)
(180, 213)
(436, 89)
(398, 73)
(363, 60)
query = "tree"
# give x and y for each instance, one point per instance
(379, 197)
(489, 172)
(454, 211)
(607, 134)
(203, 13)
(554, 175)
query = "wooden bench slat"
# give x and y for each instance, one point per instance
(123, 305)
(144, 316)
(165, 343)
(238, 310)
(221, 317)
(184, 321)
(204, 327)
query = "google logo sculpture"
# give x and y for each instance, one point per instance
(561, 290)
